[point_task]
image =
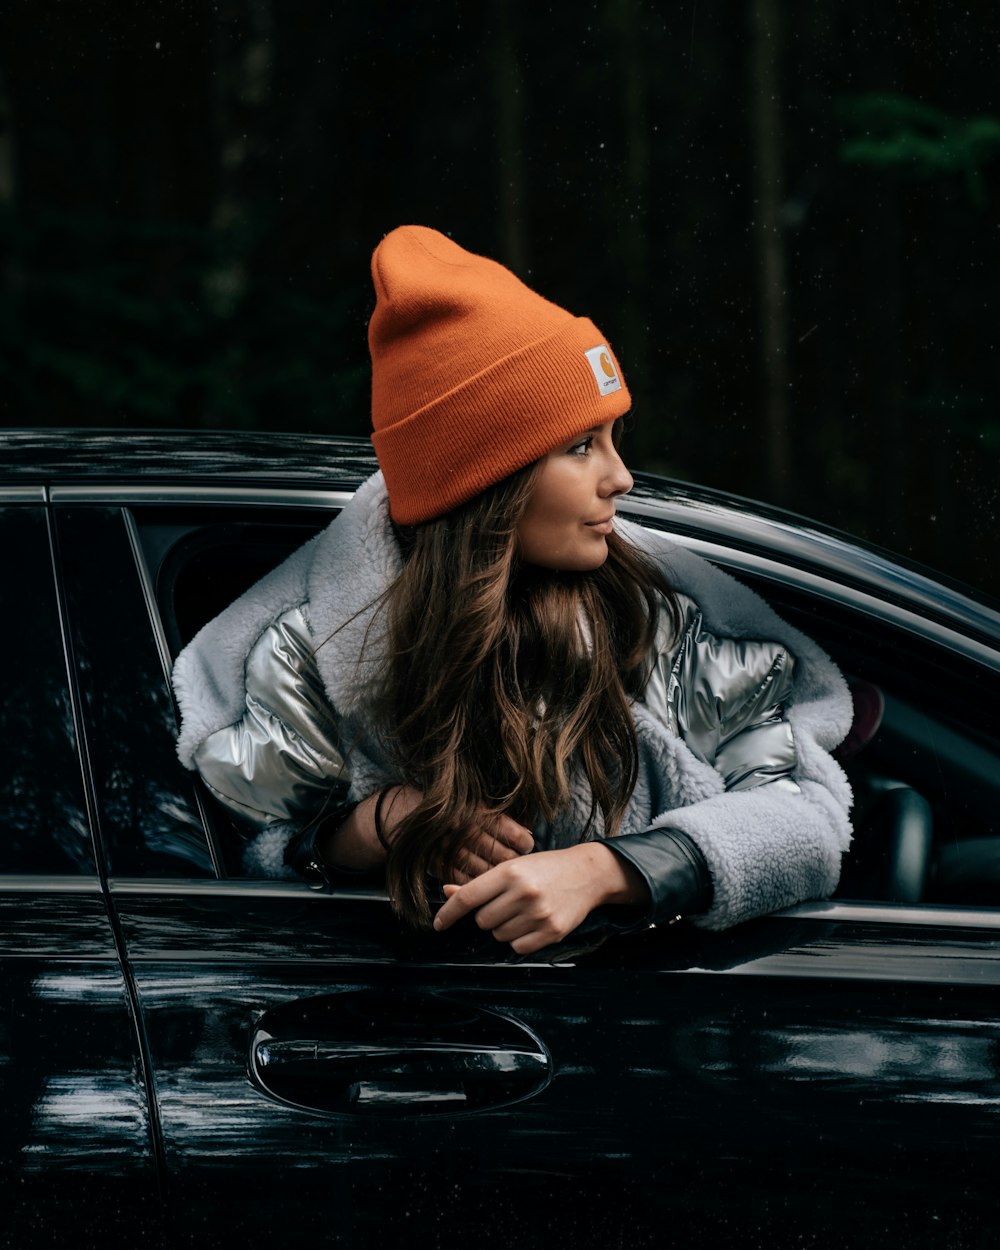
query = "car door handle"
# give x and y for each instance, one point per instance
(396, 1075)
(423, 1056)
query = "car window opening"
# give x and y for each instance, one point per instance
(926, 782)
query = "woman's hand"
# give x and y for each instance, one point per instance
(496, 842)
(355, 842)
(536, 900)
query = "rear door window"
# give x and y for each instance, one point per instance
(42, 809)
(150, 818)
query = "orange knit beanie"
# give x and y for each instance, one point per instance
(473, 375)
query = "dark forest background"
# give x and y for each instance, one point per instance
(784, 216)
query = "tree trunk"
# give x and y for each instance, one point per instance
(626, 16)
(767, 143)
(508, 93)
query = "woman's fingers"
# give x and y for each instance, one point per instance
(503, 909)
(503, 839)
(510, 833)
(470, 896)
(491, 851)
(518, 927)
(496, 843)
(467, 866)
(498, 897)
(498, 839)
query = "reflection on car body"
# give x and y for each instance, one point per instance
(200, 1056)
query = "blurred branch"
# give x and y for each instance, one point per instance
(903, 134)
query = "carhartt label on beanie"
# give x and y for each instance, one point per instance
(605, 373)
(474, 375)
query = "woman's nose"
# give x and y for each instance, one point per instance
(618, 480)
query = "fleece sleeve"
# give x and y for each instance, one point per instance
(774, 834)
(771, 846)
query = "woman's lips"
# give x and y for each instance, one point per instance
(602, 527)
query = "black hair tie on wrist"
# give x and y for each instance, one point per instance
(379, 831)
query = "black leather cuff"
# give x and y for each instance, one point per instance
(673, 868)
(303, 855)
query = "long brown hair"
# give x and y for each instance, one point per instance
(503, 682)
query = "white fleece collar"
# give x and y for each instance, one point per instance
(355, 562)
(338, 578)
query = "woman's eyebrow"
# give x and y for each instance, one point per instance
(594, 429)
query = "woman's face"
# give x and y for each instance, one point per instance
(571, 510)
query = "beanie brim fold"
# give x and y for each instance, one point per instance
(514, 412)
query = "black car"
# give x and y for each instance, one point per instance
(194, 1057)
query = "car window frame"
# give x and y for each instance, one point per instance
(90, 745)
(35, 499)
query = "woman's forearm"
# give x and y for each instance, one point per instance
(352, 843)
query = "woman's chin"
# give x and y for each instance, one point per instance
(584, 561)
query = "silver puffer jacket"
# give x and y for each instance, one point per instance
(734, 726)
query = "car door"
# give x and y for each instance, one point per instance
(826, 1076)
(77, 1149)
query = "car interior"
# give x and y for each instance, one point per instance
(925, 767)
(923, 755)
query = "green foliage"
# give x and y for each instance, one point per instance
(895, 132)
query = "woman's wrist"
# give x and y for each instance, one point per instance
(351, 843)
(362, 841)
(678, 881)
(614, 879)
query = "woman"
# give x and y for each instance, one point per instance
(478, 676)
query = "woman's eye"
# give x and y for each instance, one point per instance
(581, 449)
